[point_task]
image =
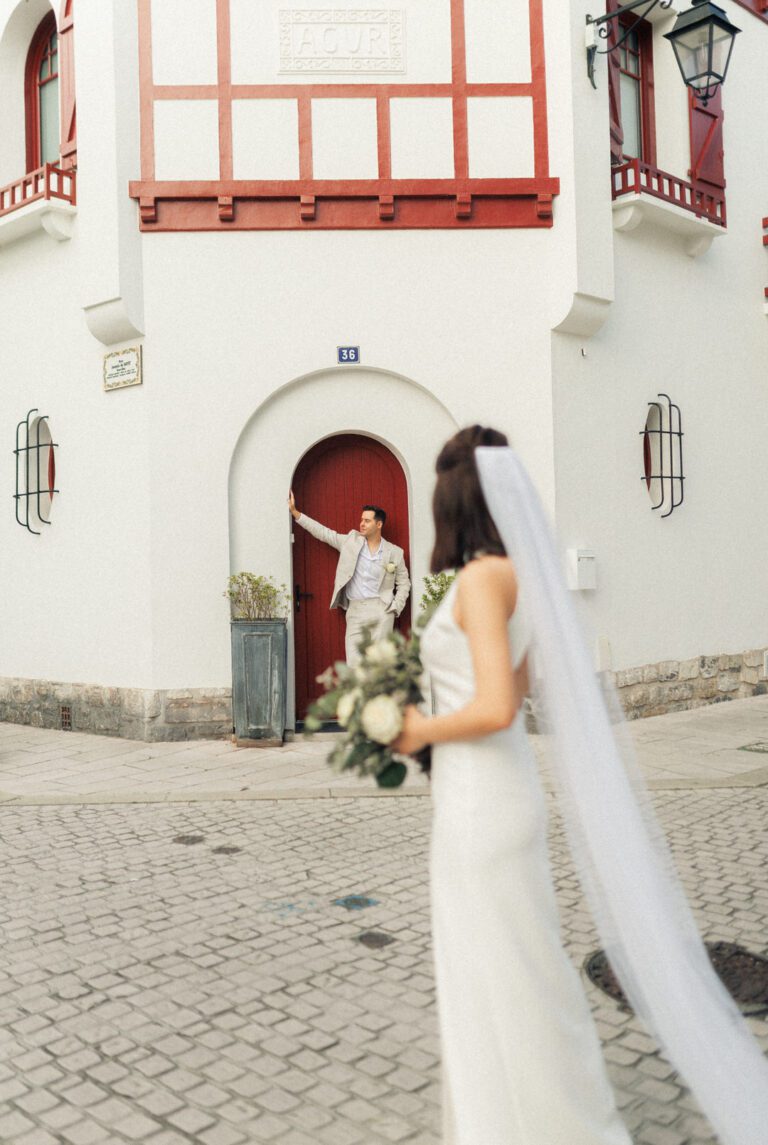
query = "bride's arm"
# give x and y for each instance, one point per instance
(486, 596)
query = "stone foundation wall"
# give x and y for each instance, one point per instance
(133, 713)
(206, 713)
(675, 685)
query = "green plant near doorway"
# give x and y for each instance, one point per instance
(257, 597)
(258, 627)
(436, 586)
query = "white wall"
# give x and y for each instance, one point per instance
(74, 601)
(456, 314)
(694, 583)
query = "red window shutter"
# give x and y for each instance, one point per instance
(51, 470)
(707, 165)
(67, 86)
(614, 89)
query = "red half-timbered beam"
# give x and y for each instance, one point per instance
(305, 136)
(384, 136)
(338, 90)
(146, 95)
(307, 202)
(313, 212)
(289, 188)
(459, 89)
(224, 70)
(539, 85)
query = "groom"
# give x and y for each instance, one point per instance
(372, 582)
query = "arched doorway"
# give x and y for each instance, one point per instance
(332, 482)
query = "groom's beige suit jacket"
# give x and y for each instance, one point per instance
(394, 584)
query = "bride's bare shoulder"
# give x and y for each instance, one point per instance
(489, 574)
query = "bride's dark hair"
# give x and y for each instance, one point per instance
(463, 525)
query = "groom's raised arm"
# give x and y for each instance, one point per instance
(327, 536)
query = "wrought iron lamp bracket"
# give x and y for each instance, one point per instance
(603, 26)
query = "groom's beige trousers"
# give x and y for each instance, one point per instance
(371, 612)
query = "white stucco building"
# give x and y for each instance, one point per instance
(229, 191)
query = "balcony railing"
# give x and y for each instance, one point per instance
(48, 182)
(637, 178)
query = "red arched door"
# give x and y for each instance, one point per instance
(331, 484)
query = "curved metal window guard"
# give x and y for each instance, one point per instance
(28, 471)
(670, 455)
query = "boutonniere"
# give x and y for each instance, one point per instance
(390, 566)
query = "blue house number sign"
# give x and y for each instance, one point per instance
(347, 354)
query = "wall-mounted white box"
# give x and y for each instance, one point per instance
(581, 569)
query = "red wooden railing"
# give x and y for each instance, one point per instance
(637, 178)
(47, 182)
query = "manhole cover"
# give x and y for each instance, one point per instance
(355, 902)
(375, 939)
(744, 975)
(189, 840)
(226, 850)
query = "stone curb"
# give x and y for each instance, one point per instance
(757, 778)
(9, 799)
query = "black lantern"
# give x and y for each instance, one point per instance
(702, 39)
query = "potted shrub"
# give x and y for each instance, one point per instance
(259, 656)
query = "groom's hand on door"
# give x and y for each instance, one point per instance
(292, 506)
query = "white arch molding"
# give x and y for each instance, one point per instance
(394, 410)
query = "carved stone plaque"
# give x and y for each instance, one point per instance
(342, 40)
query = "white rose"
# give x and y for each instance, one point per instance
(390, 566)
(382, 719)
(346, 706)
(382, 652)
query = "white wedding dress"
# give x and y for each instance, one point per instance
(522, 1063)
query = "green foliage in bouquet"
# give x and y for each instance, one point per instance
(368, 700)
(257, 597)
(436, 586)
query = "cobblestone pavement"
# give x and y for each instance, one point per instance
(182, 972)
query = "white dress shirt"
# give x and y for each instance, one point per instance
(367, 575)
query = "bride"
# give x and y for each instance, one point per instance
(521, 1059)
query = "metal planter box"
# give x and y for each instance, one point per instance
(259, 657)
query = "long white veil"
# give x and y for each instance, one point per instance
(644, 921)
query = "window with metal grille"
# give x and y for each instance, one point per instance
(35, 454)
(663, 455)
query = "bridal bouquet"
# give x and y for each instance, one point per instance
(368, 701)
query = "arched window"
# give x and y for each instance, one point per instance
(35, 472)
(663, 455)
(42, 95)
